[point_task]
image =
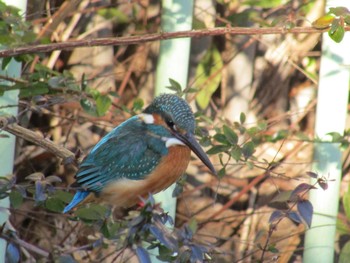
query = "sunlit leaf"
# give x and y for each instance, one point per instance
(346, 204)
(208, 76)
(345, 253)
(323, 22)
(53, 179)
(35, 176)
(282, 197)
(103, 102)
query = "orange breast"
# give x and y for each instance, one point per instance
(126, 192)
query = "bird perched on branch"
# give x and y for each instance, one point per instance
(145, 154)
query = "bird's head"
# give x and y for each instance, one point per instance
(174, 114)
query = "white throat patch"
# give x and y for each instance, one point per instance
(172, 142)
(146, 118)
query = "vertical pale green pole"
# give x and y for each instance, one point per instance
(7, 144)
(173, 63)
(332, 102)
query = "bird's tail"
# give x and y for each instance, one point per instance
(78, 197)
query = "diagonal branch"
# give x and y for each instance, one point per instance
(7, 123)
(138, 39)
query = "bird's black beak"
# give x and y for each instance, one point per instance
(192, 143)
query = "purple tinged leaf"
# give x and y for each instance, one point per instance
(12, 254)
(143, 255)
(312, 174)
(275, 216)
(322, 183)
(294, 217)
(301, 189)
(39, 192)
(305, 210)
(163, 238)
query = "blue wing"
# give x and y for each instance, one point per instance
(131, 150)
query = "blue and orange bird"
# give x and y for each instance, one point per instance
(145, 154)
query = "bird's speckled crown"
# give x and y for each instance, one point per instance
(176, 107)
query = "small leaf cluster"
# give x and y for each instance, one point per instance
(335, 20)
(227, 141)
(14, 31)
(39, 188)
(151, 226)
(297, 198)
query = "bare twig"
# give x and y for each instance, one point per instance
(8, 124)
(138, 39)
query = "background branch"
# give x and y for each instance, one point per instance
(133, 40)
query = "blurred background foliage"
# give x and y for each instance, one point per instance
(254, 101)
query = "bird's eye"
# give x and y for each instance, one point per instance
(170, 124)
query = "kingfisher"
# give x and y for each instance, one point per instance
(145, 154)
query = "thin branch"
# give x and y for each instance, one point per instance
(8, 124)
(138, 39)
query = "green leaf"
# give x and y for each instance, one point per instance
(115, 14)
(221, 138)
(263, 3)
(138, 104)
(230, 135)
(337, 31)
(242, 118)
(64, 196)
(345, 253)
(248, 149)
(88, 106)
(218, 149)
(236, 153)
(339, 11)
(54, 205)
(16, 199)
(36, 88)
(346, 203)
(89, 213)
(103, 102)
(222, 172)
(5, 61)
(175, 86)
(208, 76)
